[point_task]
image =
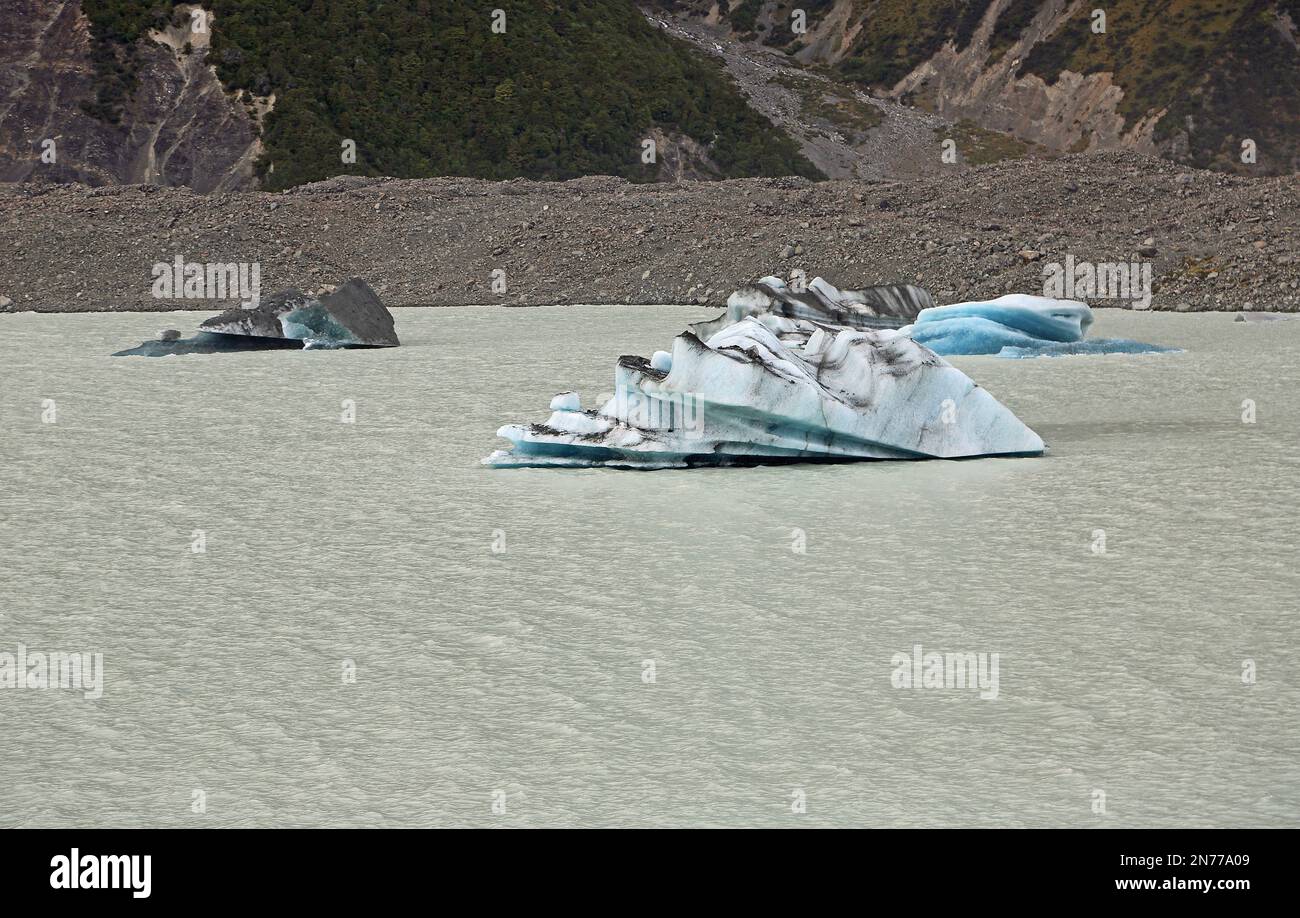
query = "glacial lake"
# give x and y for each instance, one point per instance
(380, 631)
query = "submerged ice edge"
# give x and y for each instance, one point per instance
(1087, 348)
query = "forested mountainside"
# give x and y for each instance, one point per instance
(553, 89)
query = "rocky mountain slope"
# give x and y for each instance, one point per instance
(1214, 241)
(178, 128)
(1187, 79)
(845, 131)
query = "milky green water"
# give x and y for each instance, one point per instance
(520, 675)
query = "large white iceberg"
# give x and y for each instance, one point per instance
(773, 388)
(1016, 325)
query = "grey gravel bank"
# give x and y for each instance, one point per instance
(1215, 242)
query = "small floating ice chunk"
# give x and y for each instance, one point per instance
(1259, 317)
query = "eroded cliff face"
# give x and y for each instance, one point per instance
(962, 80)
(1189, 80)
(1076, 113)
(179, 127)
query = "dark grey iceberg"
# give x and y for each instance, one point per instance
(351, 316)
(348, 317)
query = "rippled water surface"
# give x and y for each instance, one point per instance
(521, 674)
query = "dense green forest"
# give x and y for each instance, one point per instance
(427, 87)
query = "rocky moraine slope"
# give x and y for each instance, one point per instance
(1213, 241)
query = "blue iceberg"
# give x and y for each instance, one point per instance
(1017, 326)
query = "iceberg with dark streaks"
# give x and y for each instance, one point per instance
(887, 306)
(771, 388)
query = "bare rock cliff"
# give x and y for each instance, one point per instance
(179, 127)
